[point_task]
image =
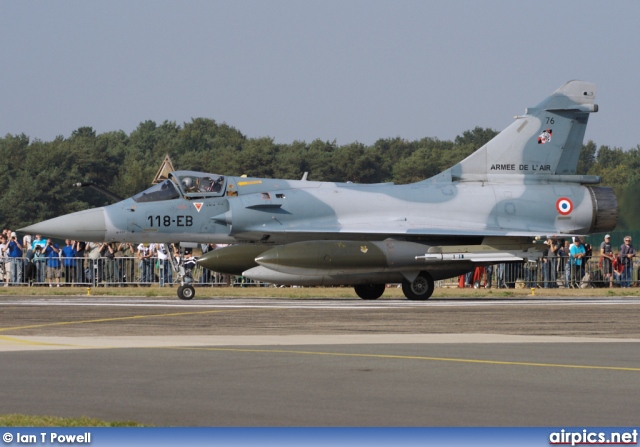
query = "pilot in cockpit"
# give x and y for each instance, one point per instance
(188, 185)
(217, 185)
(207, 184)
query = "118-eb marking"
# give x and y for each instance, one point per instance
(165, 221)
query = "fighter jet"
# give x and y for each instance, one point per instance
(491, 207)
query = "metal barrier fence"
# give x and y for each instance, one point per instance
(550, 272)
(109, 272)
(120, 271)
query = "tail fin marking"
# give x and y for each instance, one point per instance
(546, 141)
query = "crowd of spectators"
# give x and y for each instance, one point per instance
(564, 263)
(34, 260)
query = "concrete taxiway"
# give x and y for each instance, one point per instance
(336, 362)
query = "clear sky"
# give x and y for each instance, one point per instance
(341, 70)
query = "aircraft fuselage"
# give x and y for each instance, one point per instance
(279, 211)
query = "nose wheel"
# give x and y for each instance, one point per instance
(186, 292)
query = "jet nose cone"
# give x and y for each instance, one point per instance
(86, 225)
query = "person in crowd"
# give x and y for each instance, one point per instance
(126, 265)
(5, 266)
(15, 258)
(478, 273)
(81, 274)
(94, 270)
(145, 253)
(544, 262)
(107, 253)
(30, 271)
(27, 240)
(489, 272)
(606, 254)
(550, 267)
(189, 262)
(627, 253)
(468, 277)
(52, 253)
(39, 261)
(576, 254)
(68, 255)
(39, 240)
(500, 276)
(617, 267)
(530, 270)
(588, 252)
(565, 261)
(164, 273)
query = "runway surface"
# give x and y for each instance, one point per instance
(323, 362)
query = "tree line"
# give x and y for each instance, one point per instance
(36, 177)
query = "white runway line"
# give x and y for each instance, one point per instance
(313, 304)
(36, 343)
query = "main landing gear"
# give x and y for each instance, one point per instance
(420, 288)
(369, 291)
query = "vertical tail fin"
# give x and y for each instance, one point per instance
(545, 141)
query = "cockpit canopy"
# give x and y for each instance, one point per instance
(200, 183)
(162, 191)
(189, 184)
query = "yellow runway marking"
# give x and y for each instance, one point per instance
(412, 357)
(132, 317)
(29, 342)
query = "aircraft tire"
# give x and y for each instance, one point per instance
(369, 291)
(186, 292)
(420, 289)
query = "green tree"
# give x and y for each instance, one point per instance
(587, 158)
(291, 161)
(319, 156)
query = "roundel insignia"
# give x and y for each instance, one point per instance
(564, 206)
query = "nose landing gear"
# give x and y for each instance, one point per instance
(186, 292)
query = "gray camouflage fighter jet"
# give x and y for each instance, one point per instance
(488, 208)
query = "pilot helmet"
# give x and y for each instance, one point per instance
(187, 183)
